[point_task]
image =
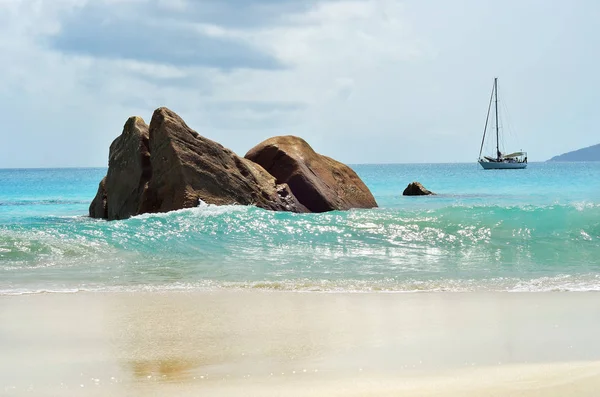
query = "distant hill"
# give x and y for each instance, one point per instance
(591, 153)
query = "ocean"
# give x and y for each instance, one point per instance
(522, 230)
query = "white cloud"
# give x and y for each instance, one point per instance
(364, 81)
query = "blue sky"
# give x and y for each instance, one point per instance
(362, 81)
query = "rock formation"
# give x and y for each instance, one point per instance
(99, 207)
(187, 168)
(129, 170)
(416, 189)
(168, 166)
(318, 182)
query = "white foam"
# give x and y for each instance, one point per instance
(202, 209)
(559, 283)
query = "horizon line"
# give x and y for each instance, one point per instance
(349, 164)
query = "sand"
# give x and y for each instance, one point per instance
(258, 343)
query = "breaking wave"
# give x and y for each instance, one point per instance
(451, 248)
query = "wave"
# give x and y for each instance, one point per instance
(455, 247)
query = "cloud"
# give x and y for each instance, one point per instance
(361, 80)
(245, 14)
(102, 61)
(153, 36)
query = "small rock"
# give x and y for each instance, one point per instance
(416, 189)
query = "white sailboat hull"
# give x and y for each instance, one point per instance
(490, 165)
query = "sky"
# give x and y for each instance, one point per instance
(363, 81)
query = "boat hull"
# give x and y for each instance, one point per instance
(489, 165)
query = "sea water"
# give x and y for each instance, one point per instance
(500, 230)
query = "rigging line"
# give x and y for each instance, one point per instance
(500, 123)
(486, 121)
(507, 136)
(504, 125)
(498, 154)
(512, 131)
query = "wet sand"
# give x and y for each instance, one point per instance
(257, 343)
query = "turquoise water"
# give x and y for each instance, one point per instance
(527, 230)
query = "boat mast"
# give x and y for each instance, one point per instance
(497, 134)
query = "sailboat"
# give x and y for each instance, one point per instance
(501, 161)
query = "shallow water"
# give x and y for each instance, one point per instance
(526, 230)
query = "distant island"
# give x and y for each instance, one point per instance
(591, 153)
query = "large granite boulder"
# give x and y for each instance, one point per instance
(168, 166)
(416, 189)
(120, 192)
(318, 182)
(129, 170)
(188, 168)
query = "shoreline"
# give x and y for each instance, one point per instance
(559, 284)
(230, 342)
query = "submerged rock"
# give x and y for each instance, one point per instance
(416, 189)
(320, 183)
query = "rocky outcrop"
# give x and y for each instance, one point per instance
(188, 168)
(416, 189)
(99, 207)
(129, 170)
(168, 166)
(120, 192)
(318, 182)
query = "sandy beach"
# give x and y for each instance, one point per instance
(257, 343)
